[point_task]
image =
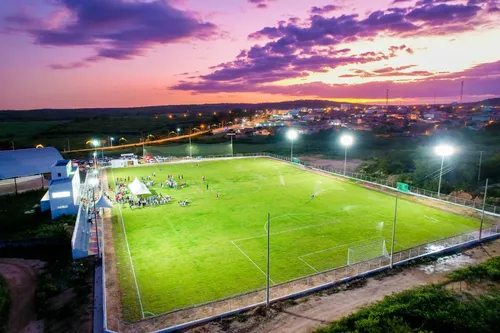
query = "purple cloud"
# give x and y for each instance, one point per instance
(324, 9)
(478, 84)
(116, 29)
(443, 13)
(261, 3)
(313, 46)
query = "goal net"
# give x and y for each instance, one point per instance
(367, 251)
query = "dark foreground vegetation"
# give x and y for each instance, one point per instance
(64, 295)
(4, 305)
(20, 219)
(434, 308)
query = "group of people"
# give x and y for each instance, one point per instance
(183, 203)
(153, 201)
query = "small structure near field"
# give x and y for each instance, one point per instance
(64, 189)
(125, 160)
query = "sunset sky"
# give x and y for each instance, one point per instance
(115, 53)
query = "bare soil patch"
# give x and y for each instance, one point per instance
(321, 160)
(21, 278)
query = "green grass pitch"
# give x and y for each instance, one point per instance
(216, 247)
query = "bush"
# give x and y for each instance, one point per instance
(425, 309)
(4, 305)
(489, 270)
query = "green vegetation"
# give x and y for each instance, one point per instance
(17, 225)
(490, 270)
(432, 308)
(4, 305)
(216, 247)
(64, 292)
(425, 309)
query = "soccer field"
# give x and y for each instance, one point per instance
(216, 247)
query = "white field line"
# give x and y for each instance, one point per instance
(399, 222)
(342, 245)
(253, 262)
(306, 227)
(130, 256)
(305, 262)
(431, 218)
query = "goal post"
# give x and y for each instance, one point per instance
(367, 251)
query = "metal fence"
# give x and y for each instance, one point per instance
(200, 313)
(393, 185)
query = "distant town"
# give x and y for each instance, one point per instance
(382, 120)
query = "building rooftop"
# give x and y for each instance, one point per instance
(27, 162)
(61, 163)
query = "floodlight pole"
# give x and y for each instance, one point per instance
(96, 229)
(291, 152)
(268, 259)
(480, 162)
(440, 175)
(345, 160)
(190, 150)
(394, 229)
(482, 214)
(67, 139)
(232, 149)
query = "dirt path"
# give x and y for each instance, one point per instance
(318, 310)
(21, 278)
(320, 160)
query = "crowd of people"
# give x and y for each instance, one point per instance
(123, 195)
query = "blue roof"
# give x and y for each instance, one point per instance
(27, 162)
(61, 163)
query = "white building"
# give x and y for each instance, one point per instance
(345, 107)
(125, 160)
(64, 189)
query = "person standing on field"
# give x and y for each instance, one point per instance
(217, 195)
(207, 187)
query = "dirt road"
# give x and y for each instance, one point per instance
(317, 310)
(21, 278)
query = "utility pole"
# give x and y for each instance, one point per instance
(268, 259)
(387, 100)
(482, 214)
(480, 162)
(461, 92)
(232, 149)
(190, 150)
(394, 229)
(142, 139)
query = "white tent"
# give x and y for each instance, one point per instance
(103, 202)
(138, 188)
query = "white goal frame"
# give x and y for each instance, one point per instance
(377, 247)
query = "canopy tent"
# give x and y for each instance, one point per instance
(138, 188)
(103, 202)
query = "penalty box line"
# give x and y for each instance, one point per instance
(291, 230)
(301, 228)
(359, 243)
(253, 262)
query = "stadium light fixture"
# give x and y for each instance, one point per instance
(346, 140)
(443, 150)
(292, 134)
(95, 143)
